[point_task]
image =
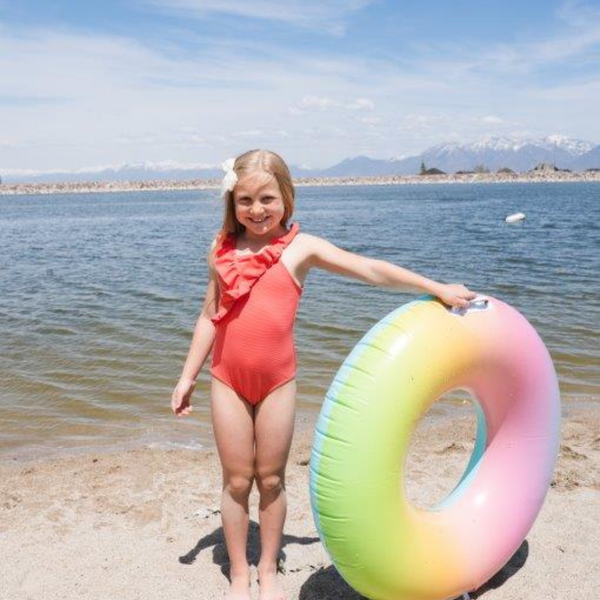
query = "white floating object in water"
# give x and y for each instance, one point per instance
(514, 218)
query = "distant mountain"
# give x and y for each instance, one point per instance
(168, 171)
(493, 153)
(358, 166)
(590, 160)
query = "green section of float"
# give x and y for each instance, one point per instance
(367, 525)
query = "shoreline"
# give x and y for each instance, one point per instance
(146, 522)
(24, 455)
(442, 414)
(209, 184)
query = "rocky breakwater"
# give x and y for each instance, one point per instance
(204, 184)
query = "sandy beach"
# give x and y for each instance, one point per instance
(145, 523)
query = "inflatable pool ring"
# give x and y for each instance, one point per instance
(382, 545)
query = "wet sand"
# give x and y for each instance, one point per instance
(145, 523)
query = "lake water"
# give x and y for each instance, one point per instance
(99, 294)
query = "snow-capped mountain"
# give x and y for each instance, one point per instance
(494, 153)
(506, 144)
(573, 147)
(590, 160)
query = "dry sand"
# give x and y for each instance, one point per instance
(145, 523)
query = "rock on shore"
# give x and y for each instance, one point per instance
(204, 184)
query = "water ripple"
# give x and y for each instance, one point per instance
(100, 294)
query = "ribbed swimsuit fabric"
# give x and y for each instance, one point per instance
(254, 350)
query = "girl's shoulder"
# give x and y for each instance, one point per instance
(308, 240)
(303, 240)
(308, 246)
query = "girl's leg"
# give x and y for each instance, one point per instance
(232, 419)
(273, 430)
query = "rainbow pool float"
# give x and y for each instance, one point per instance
(382, 545)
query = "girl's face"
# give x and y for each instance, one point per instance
(258, 203)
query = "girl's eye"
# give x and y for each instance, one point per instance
(266, 199)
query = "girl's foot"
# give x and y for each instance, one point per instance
(240, 585)
(269, 584)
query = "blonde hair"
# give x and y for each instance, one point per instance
(268, 162)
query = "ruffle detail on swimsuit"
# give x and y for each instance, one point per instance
(239, 272)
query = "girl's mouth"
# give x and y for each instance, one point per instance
(259, 221)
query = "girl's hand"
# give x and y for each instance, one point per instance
(455, 295)
(181, 399)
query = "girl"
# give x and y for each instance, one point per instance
(257, 265)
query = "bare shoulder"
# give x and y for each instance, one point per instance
(303, 249)
(314, 248)
(308, 251)
(306, 237)
(309, 243)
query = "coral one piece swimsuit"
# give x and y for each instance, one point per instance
(254, 351)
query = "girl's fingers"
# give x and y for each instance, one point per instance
(176, 402)
(181, 404)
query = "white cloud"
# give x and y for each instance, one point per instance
(322, 103)
(422, 122)
(491, 120)
(318, 102)
(371, 120)
(248, 134)
(361, 104)
(317, 15)
(579, 37)
(118, 99)
(262, 134)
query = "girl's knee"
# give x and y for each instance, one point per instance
(270, 482)
(238, 485)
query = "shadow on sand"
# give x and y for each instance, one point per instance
(326, 583)
(216, 540)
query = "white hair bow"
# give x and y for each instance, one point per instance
(230, 178)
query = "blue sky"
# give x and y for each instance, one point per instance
(87, 84)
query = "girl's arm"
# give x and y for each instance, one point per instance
(324, 255)
(204, 335)
(200, 346)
